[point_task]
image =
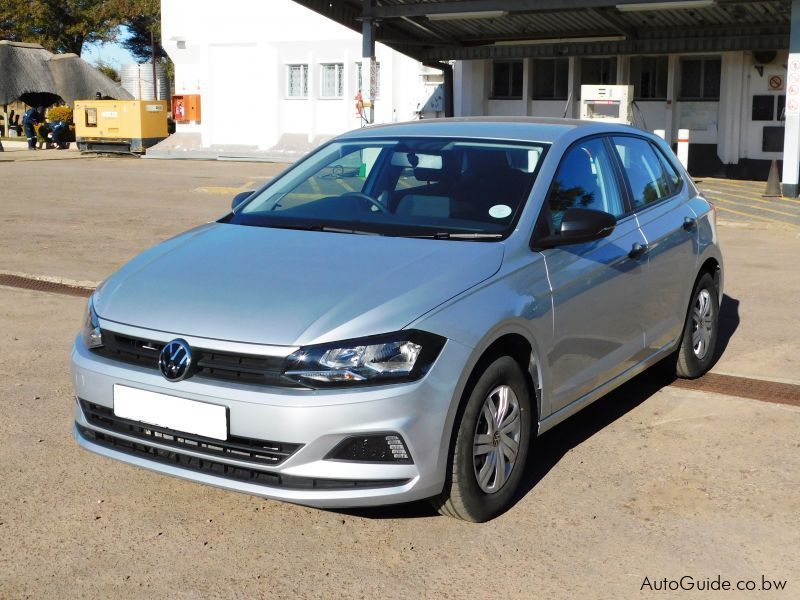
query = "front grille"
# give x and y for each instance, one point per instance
(217, 469)
(241, 368)
(260, 452)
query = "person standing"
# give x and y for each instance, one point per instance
(29, 120)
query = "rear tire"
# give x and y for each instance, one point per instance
(700, 332)
(492, 435)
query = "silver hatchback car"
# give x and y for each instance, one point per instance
(395, 316)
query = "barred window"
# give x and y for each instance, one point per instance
(507, 79)
(331, 80)
(297, 81)
(649, 77)
(362, 81)
(700, 78)
(550, 79)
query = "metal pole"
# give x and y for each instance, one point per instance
(368, 53)
(153, 57)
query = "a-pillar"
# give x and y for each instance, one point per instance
(791, 141)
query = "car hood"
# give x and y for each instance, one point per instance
(288, 287)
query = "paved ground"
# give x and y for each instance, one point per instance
(651, 481)
(744, 202)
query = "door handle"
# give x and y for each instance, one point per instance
(689, 223)
(637, 250)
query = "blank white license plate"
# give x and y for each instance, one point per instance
(180, 414)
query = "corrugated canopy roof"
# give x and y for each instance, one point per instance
(432, 30)
(30, 69)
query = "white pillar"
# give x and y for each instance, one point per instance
(346, 94)
(526, 86)
(791, 140)
(312, 98)
(683, 147)
(730, 108)
(623, 69)
(573, 86)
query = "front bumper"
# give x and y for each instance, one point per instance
(421, 412)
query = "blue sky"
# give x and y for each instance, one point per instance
(112, 54)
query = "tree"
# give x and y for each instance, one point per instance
(141, 17)
(59, 25)
(108, 71)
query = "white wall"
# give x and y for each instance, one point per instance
(235, 57)
(758, 84)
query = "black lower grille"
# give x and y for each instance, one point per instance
(260, 452)
(217, 469)
(242, 368)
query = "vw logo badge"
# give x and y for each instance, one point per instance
(175, 360)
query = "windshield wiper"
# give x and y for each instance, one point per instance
(443, 235)
(326, 228)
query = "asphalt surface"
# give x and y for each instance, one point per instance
(653, 481)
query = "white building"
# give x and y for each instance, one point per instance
(275, 78)
(731, 102)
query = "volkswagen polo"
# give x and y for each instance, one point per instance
(398, 314)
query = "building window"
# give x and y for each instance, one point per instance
(507, 79)
(297, 81)
(331, 81)
(599, 71)
(649, 77)
(700, 78)
(550, 79)
(362, 80)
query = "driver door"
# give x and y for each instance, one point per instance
(597, 316)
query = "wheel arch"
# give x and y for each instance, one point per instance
(513, 340)
(711, 266)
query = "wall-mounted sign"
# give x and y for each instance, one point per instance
(793, 86)
(775, 83)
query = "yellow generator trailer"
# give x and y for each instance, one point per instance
(119, 125)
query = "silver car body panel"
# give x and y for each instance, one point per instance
(593, 317)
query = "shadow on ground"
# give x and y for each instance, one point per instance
(547, 450)
(728, 324)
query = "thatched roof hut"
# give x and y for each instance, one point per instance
(30, 73)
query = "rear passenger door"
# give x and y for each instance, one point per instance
(597, 317)
(660, 200)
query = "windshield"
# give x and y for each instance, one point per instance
(423, 187)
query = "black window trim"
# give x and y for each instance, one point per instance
(661, 156)
(544, 222)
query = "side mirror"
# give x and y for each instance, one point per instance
(240, 197)
(579, 225)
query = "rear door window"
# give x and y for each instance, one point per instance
(645, 171)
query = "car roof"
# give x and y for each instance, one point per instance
(528, 129)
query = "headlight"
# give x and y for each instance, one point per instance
(396, 357)
(90, 333)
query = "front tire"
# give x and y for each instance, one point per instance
(700, 332)
(491, 445)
